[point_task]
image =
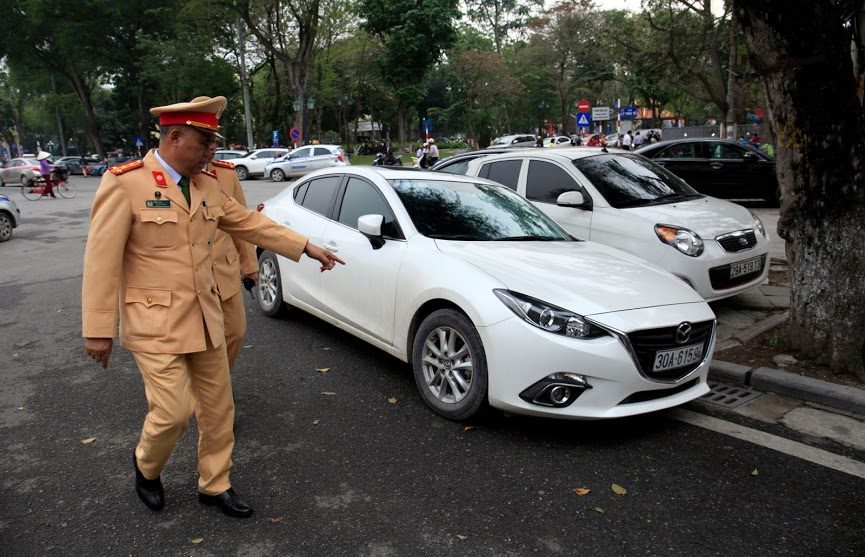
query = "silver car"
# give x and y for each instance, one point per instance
(304, 160)
(19, 171)
(10, 215)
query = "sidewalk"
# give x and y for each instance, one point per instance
(743, 317)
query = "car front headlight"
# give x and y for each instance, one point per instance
(547, 316)
(682, 239)
(758, 225)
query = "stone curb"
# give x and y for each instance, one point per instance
(831, 395)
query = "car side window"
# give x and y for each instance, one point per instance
(361, 198)
(726, 151)
(458, 167)
(301, 153)
(320, 193)
(680, 151)
(300, 193)
(547, 181)
(321, 151)
(506, 173)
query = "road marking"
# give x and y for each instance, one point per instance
(774, 442)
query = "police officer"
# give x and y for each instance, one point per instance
(149, 250)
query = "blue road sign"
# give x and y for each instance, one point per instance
(583, 119)
(138, 141)
(276, 138)
(629, 112)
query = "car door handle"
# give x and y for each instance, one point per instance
(716, 165)
(331, 246)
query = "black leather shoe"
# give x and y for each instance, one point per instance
(228, 502)
(149, 491)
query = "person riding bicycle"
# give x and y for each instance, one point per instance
(45, 170)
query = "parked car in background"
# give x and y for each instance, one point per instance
(19, 171)
(517, 140)
(98, 168)
(625, 201)
(557, 140)
(457, 164)
(304, 160)
(74, 164)
(718, 167)
(229, 154)
(488, 299)
(252, 164)
(10, 216)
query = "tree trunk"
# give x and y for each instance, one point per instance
(808, 78)
(94, 127)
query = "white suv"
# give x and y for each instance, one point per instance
(253, 164)
(628, 202)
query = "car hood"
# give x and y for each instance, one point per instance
(584, 277)
(708, 216)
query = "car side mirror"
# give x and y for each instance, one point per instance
(571, 199)
(370, 226)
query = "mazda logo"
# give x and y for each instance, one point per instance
(683, 332)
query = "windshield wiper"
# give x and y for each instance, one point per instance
(677, 196)
(529, 238)
(457, 237)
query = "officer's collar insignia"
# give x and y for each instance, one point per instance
(159, 178)
(223, 164)
(209, 173)
(121, 168)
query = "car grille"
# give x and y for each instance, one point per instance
(648, 342)
(646, 396)
(738, 241)
(720, 276)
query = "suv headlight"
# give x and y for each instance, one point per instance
(547, 316)
(682, 239)
(758, 225)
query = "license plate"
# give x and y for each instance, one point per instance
(746, 267)
(677, 357)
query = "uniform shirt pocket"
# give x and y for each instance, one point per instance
(213, 213)
(159, 228)
(147, 312)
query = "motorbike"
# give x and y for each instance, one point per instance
(383, 160)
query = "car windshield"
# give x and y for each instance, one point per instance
(630, 181)
(470, 211)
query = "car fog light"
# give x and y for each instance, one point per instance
(560, 395)
(557, 390)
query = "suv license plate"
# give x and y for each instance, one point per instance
(678, 357)
(746, 267)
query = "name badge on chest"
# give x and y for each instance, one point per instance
(158, 203)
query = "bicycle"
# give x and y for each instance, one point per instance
(35, 189)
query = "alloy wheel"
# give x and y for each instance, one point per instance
(447, 365)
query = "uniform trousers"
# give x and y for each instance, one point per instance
(234, 316)
(173, 383)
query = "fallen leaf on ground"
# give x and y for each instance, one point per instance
(316, 422)
(468, 428)
(581, 491)
(599, 510)
(322, 369)
(460, 536)
(274, 519)
(20, 408)
(88, 440)
(196, 541)
(328, 393)
(392, 399)
(755, 472)
(619, 490)
(247, 346)
(325, 349)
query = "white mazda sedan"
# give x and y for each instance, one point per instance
(488, 299)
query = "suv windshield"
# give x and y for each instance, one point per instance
(631, 181)
(469, 211)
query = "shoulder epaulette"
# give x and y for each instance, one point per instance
(126, 167)
(223, 164)
(210, 173)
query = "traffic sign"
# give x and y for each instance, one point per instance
(294, 133)
(601, 113)
(138, 141)
(583, 119)
(628, 112)
(583, 106)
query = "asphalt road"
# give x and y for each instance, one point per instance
(353, 474)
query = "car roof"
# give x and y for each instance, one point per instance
(566, 153)
(390, 173)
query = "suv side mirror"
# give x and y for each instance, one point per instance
(370, 226)
(571, 199)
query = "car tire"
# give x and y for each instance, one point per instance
(277, 175)
(450, 365)
(5, 227)
(242, 173)
(270, 300)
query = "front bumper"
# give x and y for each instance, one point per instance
(520, 356)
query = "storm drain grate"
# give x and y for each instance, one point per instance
(727, 396)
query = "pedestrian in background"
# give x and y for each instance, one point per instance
(45, 170)
(627, 139)
(433, 153)
(638, 141)
(149, 250)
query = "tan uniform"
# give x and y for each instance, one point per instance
(232, 258)
(151, 255)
